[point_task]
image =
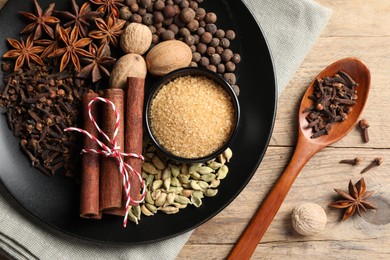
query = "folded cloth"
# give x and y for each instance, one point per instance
(290, 27)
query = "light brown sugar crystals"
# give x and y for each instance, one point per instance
(192, 116)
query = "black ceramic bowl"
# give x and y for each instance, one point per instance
(193, 71)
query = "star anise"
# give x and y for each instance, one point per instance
(72, 50)
(355, 200)
(51, 45)
(80, 17)
(109, 30)
(109, 6)
(99, 63)
(42, 20)
(24, 52)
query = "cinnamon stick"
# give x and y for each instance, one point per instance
(89, 190)
(133, 136)
(134, 129)
(110, 176)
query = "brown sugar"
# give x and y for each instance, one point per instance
(192, 116)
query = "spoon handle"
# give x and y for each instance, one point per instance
(255, 230)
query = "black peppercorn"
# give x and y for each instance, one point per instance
(187, 15)
(210, 17)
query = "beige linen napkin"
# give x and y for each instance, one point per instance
(290, 27)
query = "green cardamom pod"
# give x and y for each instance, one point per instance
(170, 198)
(157, 184)
(167, 183)
(186, 193)
(182, 200)
(215, 165)
(175, 170)
(158, 163)
(222, 172)
(151, 208)
(175, 182)
(169, 209)
(149, 168)
(205, 170)
(161, 199)
(208, 177)
(195, 185)
(215, 183)
(148, 197)
(194, 167)
(184, 168)
(196, 201)
(166, 174)
(210, 192)
(145, 211)
(228, 154)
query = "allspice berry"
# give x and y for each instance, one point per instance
(206, 37)
(187, 15)
(169, 11)
(210, 17)
(308, 219)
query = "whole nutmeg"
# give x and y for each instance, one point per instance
(136, 38)
(308, 219)
(129, 65)
(168, 56)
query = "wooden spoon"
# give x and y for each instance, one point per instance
(306, 147)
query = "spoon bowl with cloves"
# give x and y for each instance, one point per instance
(329, 110)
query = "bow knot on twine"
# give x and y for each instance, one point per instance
(114, 152)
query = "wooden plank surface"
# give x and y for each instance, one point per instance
(357, 28)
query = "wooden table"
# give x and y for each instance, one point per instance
(357, 28)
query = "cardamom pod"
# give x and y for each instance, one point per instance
(149, 180)
(157, 184)
(136, 210)
(183, 178)
(145, 211)
(166, 174)
(149, 168)
(221, 158)
(175, 182)
(195, 185)
(184, 168)
(161, 199)
(182, 200)
(215, 165)
(208, 177)
(158, 163)
(132, 217)
(180, 206)
(196, 201)
(148, 197)
(222, 172)
(205, 170)
(176, 190)
(194, 167)
(169, 209)
(167, 183)
(215, 183)
(175, 170)
(195, 175)
(198, 193)
(187, 193)
(228, 154)
(170, 198)
(203, 185)
(210, 192)
(151, 208)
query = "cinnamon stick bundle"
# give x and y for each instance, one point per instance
(89, 190)
(110, 176)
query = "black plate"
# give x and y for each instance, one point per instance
(55, 200)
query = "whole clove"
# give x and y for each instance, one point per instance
(364, 125)
(333, 99)
(376, 162)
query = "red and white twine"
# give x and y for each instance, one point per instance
(114, 152)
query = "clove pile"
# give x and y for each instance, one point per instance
(40, 103)
(333, 99)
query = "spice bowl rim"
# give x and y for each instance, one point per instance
(193, 71)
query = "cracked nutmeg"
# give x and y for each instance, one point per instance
(355, 200)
